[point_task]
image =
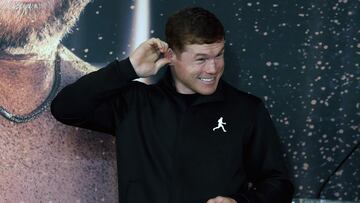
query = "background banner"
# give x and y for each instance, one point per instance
(301, 57)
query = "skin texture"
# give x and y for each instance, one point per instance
(43, 160)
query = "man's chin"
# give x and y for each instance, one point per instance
(23, 34)
(28, 40)
(206, 88)
(206, 91)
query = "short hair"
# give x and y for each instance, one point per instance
(193, 25)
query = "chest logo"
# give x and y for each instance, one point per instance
(221, 124)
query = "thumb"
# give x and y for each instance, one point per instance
(161, 62)
(219, 199)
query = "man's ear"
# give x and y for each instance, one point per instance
(170, 55)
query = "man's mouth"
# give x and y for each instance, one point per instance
(207, 80)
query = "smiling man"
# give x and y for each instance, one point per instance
(189, 138)
(43, 160)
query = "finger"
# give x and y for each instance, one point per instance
(161, 45)
(219, 199)
(211, 201)
(164, 47)
(161, 62)
(152, 40)
(153, 43)
(216, 200)
(228, 200)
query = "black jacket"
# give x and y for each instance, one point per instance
(167, 147)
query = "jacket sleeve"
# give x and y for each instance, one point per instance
(89, 102)
(265, 165)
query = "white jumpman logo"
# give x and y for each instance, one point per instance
(220, 124)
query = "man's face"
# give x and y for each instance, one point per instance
(25, 21)
(198, 68)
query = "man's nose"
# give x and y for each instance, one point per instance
(211, 66)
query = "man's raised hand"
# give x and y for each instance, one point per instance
(146, 58)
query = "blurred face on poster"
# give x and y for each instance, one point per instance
(28, 23)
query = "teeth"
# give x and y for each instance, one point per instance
(207, 79)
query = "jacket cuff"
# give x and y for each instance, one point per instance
(124, 68)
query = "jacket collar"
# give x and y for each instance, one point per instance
(167, 82)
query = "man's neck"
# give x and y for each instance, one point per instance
(25, 82)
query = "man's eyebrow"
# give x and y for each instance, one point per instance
(201, 54)
(221, 51)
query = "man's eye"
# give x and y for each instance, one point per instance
(220, 55)
(200, 59)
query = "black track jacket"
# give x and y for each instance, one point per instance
(170, 151)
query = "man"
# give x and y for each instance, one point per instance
(167, 148)
(41, 159)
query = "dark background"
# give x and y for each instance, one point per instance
(301, 57)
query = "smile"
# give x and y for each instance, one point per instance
(207, 79)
